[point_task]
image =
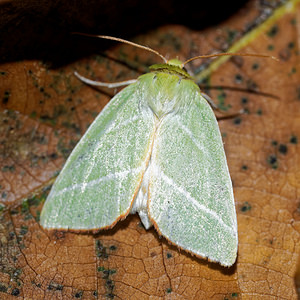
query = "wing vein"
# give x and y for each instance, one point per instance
(108, 177)
(195, 203)
(191, 136)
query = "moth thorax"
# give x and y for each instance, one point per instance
(164, 104)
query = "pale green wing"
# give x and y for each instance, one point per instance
(101, 177)
(191, 200)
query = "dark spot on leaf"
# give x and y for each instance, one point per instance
(169, 290)
(15, 292)
(101, 251)
(273, 31)
(246, 207)
(6, 168)
(108, 272)
(237, 121)
(244, 167)
(270, 47)
(24, 230)
(231, 35)
(259, 112)
(112, 248)
(272, 161)
(109, 282)
(255, 66)
(293, 139)
(3, 288)
(35, 201)
(78, 295)
(47, 119)
(282, 149)
(14, 212)
(169, 255)
(11, 235)
(244, 100)
(238, 78)
(6, 97)
(291, 45)
(274, 143)
(53, 155)
(293, 71)
(221, 101)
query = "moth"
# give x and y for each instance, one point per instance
(155, 150)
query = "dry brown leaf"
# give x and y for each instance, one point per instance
(44, 113)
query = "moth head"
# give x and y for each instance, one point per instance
(175, 62)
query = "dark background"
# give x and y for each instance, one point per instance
(42, 29)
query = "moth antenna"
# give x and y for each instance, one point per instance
(107, 37)
(229, 54)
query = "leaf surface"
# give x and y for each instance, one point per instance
(44, 113)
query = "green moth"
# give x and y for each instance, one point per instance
(155, 149)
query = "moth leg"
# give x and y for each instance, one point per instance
(226, 115)
(104, 84)
(210, 101)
